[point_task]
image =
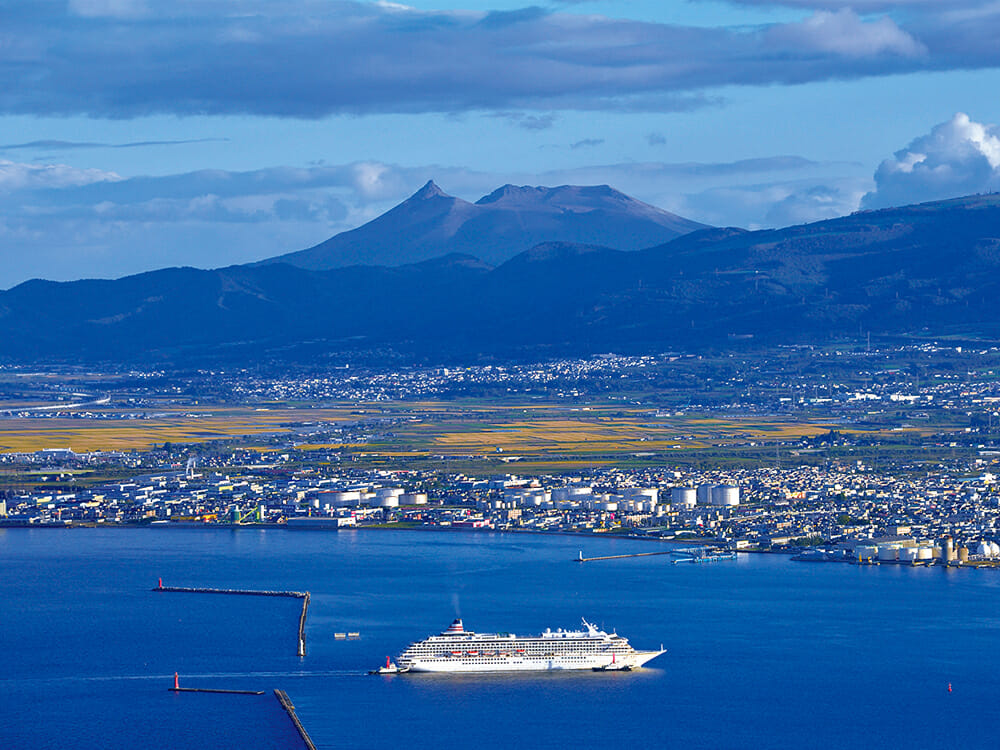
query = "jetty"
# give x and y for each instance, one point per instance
(303, 595)
(178, 689)
(687, 554)
(286, 704)
(281, 695)
(581, 558)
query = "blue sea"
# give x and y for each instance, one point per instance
(762, 652)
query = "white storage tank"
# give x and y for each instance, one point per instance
(887, 552)
(572, 492)
(704, 494)
(908, 554)
(866, 552)
(387, 501)
(925, 553)
(539, 498)
(642, 494)
(684, 497)
(606, 505)
(388, 492)
(413, 498)
(726, 495)
(345, 499)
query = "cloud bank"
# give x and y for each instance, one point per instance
(310, 59)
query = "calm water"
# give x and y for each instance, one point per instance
(762, 652)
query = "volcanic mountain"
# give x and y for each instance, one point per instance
(495, 228)
(913, 273)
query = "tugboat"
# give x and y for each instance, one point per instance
(612, 667)
(389, 668)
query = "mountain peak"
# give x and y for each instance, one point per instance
(508, 191)
(429, 190)
(509, 220)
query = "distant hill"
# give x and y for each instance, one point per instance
(904, 273)
(495, 228)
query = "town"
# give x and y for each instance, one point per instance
(847, 512)
(869, 457)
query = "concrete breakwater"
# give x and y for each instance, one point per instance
(303, 595)
(286, 704)
(581, 558)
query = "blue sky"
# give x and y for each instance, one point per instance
(137, 134)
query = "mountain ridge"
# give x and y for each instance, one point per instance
(511, 219)
(915, 271)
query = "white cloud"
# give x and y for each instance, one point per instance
(17, 176)
(958, 157)
(775, 204)
(844, 33)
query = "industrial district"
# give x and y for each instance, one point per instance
(909, 475)
(849, 514)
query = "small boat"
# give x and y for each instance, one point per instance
(389, 668)
(613, 666)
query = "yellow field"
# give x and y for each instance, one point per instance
(82, 435)
(602, 434)
(423, 429)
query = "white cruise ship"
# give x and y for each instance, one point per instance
(460, 650)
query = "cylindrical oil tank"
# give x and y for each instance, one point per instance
(514, 495)
(642, 494)
(684, 497)
(726, 494)
(925, 553)
(866, 551)
(415, 498)
(963, 554)
(908, 554)
(704, 494)
(345, 499)
(387, 501)
(947, 549)
(388, 492)
(887, 552)
(606, 505)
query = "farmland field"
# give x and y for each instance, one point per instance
(427, 431)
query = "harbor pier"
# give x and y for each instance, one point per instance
(688, 554)
(286, 704)
(303, 595)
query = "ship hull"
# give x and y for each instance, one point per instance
(559, 663)
(457, 650)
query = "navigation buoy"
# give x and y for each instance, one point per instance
(159, 583)
(177, 685)
(949, 687)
